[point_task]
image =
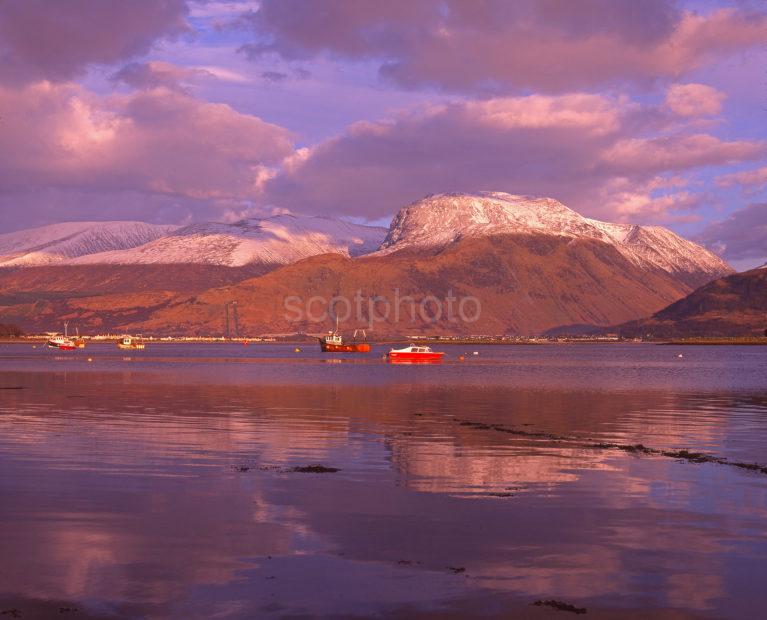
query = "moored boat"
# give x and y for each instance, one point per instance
(64, 343)
(79, 341)
(129, 342)
(415, 353)
(333, 342)
(61, 342)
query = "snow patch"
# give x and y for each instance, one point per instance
(60, 243)
(440, 219)
(280, 239)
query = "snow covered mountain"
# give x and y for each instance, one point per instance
(280, 239)
(441, 219)
(60, 243)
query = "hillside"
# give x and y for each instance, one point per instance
(732, 306)
(532, 265)
(525, 284)
(61, 243)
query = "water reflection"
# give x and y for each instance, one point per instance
(170, 497)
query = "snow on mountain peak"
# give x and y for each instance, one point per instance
(440, 219)
(60, 243)
(279, 239)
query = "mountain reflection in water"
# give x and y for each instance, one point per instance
(163, 494)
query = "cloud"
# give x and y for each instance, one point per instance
(751, 181)
(604, 156)
(153, 74)
(158, 141)
(57, 41)
(741, 236)
(497, 46)
(274, 76)
(694, 100)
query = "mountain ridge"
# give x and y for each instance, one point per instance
(59, 243)
(278, 239)
(440, 219)
(532, 263)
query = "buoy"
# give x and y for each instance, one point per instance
(297, 350)
(461, 358)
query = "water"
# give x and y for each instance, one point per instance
(159, 484)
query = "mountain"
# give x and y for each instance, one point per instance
(275, 240)
(530, 264)
(60, 243)
(439, 220)
(522, 284)
(732, 306)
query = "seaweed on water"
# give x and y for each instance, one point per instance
(313, 469)
(638, 448)
(561, 606)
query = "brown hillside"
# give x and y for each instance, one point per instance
(732, 306)
(525, 284)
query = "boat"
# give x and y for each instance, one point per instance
(129, 342)
(415, 353)
(333, 342)
(79, 341)
(63, 343)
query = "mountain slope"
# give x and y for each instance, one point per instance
(59, 243)
(532, 265)
(731, 306)
(439, 220)
(275, 240)
(523, 284)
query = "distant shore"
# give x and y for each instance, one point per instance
(429, 341)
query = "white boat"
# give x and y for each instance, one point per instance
(129, 342)
(65, 343)
(61, 342)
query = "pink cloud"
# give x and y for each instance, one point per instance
(674, 153)
(157, 141)
(501, 46)
(44, 39)
(694, 100)
(750, 181)
(603, 156)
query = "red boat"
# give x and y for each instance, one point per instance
(63, 343)
(414, 353)
(334, 343)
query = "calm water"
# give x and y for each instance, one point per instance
(158, 485)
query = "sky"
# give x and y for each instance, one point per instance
(174, 111)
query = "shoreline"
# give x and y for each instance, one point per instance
(437, 341)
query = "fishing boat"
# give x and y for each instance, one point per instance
(64, 343)
(129, 342)
(61, 342)
(333, 342)
(415, 353)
